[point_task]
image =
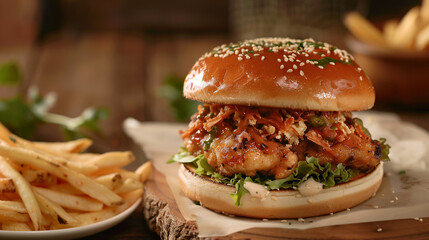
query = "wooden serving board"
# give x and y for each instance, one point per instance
(163, 216)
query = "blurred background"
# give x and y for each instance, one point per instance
(130, 56)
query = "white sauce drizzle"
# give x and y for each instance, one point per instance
(256, 190)
(310, 187)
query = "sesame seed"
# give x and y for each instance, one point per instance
(393, 191)
(331, 213)
(361, 78)
(348, 209)
(295, 67)
(396, 198)
(391, 201)
(262, 58)
(375, 206)
(283, 221)
(247, 57)
(264, 220)
(379, 229)
(279, 60)
(301, 220)
(301, 73)
(301, 64)
(332, 63)
(359, 69)
(240, 58)
(289, 70)
(256, 54)
(282, 66)
(321, 67)
(298, 60)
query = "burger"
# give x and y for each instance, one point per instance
(274, 136)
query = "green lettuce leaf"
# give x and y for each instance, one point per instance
(326, 174)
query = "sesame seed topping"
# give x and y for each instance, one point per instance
(289, 70)
(301, 64)
(301, 73)
(264, 220)
(393, 191)
(283, 221)
(379, 229)
(282, 66)
(295, 67)
(287, 48)
(361, 78)
(301, 220)
(359, 69)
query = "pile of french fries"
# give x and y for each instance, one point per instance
(410, 32)
(47, 186)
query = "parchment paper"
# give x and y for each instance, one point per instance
(401, 195)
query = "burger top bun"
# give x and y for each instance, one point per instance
(283, 73)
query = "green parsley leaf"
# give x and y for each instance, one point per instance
(9, 74)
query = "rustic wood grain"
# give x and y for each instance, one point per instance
(163, 216)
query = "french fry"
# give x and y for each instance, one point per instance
(66, 188)
(89, 218)
(46, 186)
(82, 167)
(78, 180)
(81, 157)
(112, 181)
(389, 31)
(57, 213)
(24, 190)
(422, 39)
(15, 226)
(406, 30)
(13, 206)
(113, 159)
(70, 201)
(424, 11)
(38, 176)
(5, 135)
(145, 170)
(363, 29)
(12, 216)
(129, 185)
(6, 185)
(75, 146)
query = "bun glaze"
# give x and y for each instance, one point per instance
(282, 73)
(280, 203)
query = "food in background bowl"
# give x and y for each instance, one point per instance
(275, 137)
(396, 57)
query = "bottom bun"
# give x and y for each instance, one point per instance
(279, 203)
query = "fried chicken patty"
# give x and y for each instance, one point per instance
(247, 140)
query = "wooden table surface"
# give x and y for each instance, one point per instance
(122, 72)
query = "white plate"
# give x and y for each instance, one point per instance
(72, 233)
